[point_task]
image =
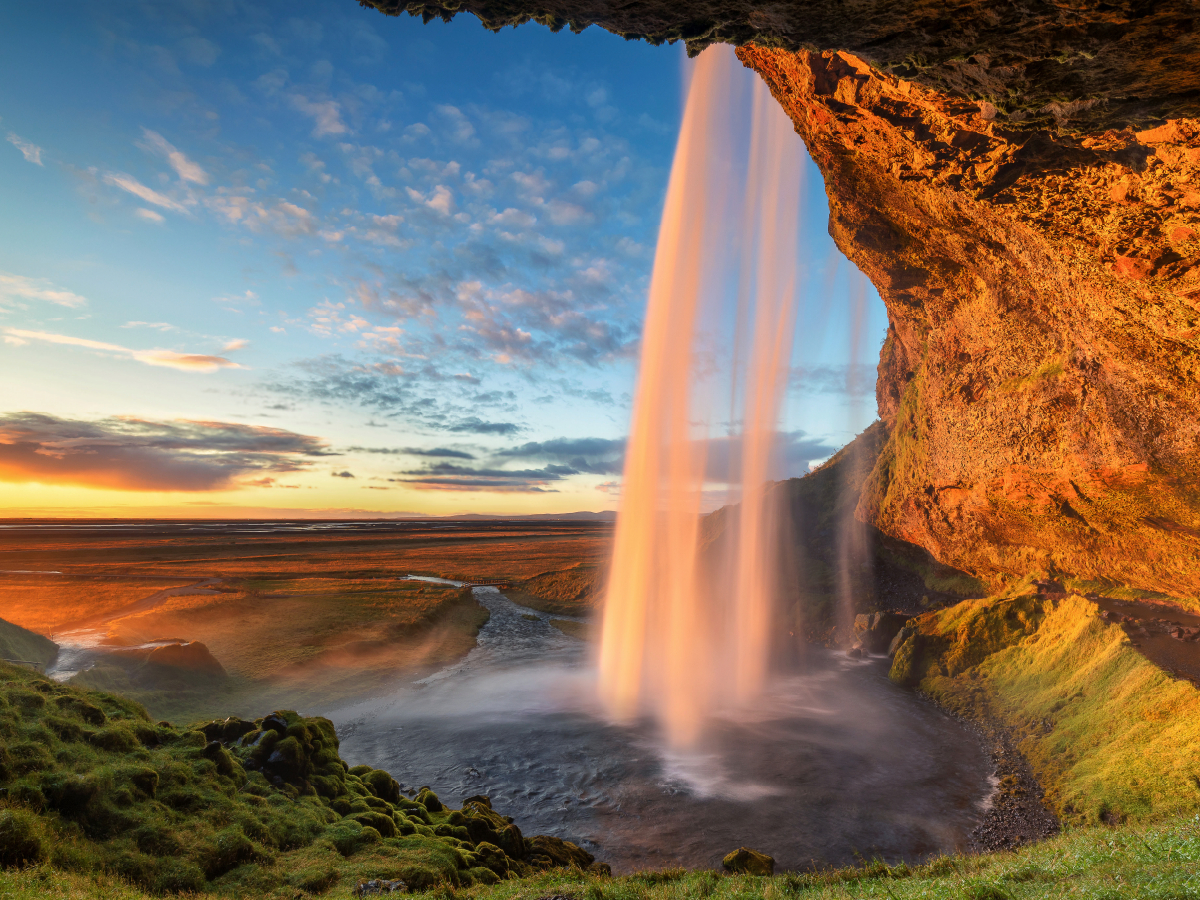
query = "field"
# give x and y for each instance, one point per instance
(305, 615)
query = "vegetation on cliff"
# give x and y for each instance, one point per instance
(1110, 736)
(89, 784)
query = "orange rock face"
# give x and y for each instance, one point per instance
(1041, 373)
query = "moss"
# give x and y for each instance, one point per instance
(22, 838)
(1110, 736)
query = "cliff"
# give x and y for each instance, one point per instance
(1021, 182)
(1094, 65)
(1041, 373)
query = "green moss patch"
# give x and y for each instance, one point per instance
(1110, 736)
(88, 784)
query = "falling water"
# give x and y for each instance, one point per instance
(675, 643)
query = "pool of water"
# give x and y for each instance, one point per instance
(834, 764)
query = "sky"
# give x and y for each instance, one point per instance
(309, 260)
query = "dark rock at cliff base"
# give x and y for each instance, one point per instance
(744, 861)
(876, 630)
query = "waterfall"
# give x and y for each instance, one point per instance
(687, 626)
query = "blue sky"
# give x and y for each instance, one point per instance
(329, 261)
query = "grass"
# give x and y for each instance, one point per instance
(1110, 736)
(1158, 862)
(91, 787)
(18, 644)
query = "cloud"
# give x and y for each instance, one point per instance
(595, 456)
(458, 125)
(475, 425)
(132, 454)
(450, 477)
(135, 187)
(184, 167)
(187, 362)
(149, 215)
(12, 286)
(342, 474)
(326, 115)
(161, 326)
(439, 452)
(31, 152)
(237, 344)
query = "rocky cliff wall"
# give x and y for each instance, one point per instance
(1041, 373)
(1080, 64)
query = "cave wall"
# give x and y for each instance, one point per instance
(1041, 372)
(1021, 182)
(1082, 64)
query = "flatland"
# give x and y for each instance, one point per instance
(306, 614)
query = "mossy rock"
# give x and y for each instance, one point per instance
(429, 800)
(22, 839)
(744, 861)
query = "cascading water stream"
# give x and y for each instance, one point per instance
(674, 642)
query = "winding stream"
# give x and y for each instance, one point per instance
(835, 763)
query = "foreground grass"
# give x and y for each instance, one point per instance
(1160, 862)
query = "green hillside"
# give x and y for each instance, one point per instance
(18, 644)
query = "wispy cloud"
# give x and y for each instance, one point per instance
(31, 152)
(172, 359)
(436, 452)
(186, 169)
(451, 477)
(132, 454)
(135, 187)
(14, 286)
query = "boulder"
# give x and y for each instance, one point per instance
(744, 861)
(877, 630)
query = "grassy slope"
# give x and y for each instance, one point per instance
(1110, 736)
(88, 784)
(17, 643)
(1160, 862)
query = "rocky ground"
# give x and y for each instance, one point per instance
(1018, 814)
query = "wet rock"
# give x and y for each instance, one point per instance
(379, 886)
(744, 861)
(877, 630)
(227, 731)
(546, 852)
(854, 653)
(901, 636)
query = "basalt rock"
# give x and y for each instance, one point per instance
(1041, 369)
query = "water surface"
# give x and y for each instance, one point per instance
(835, 763)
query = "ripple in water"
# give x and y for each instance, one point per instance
(831, 764)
